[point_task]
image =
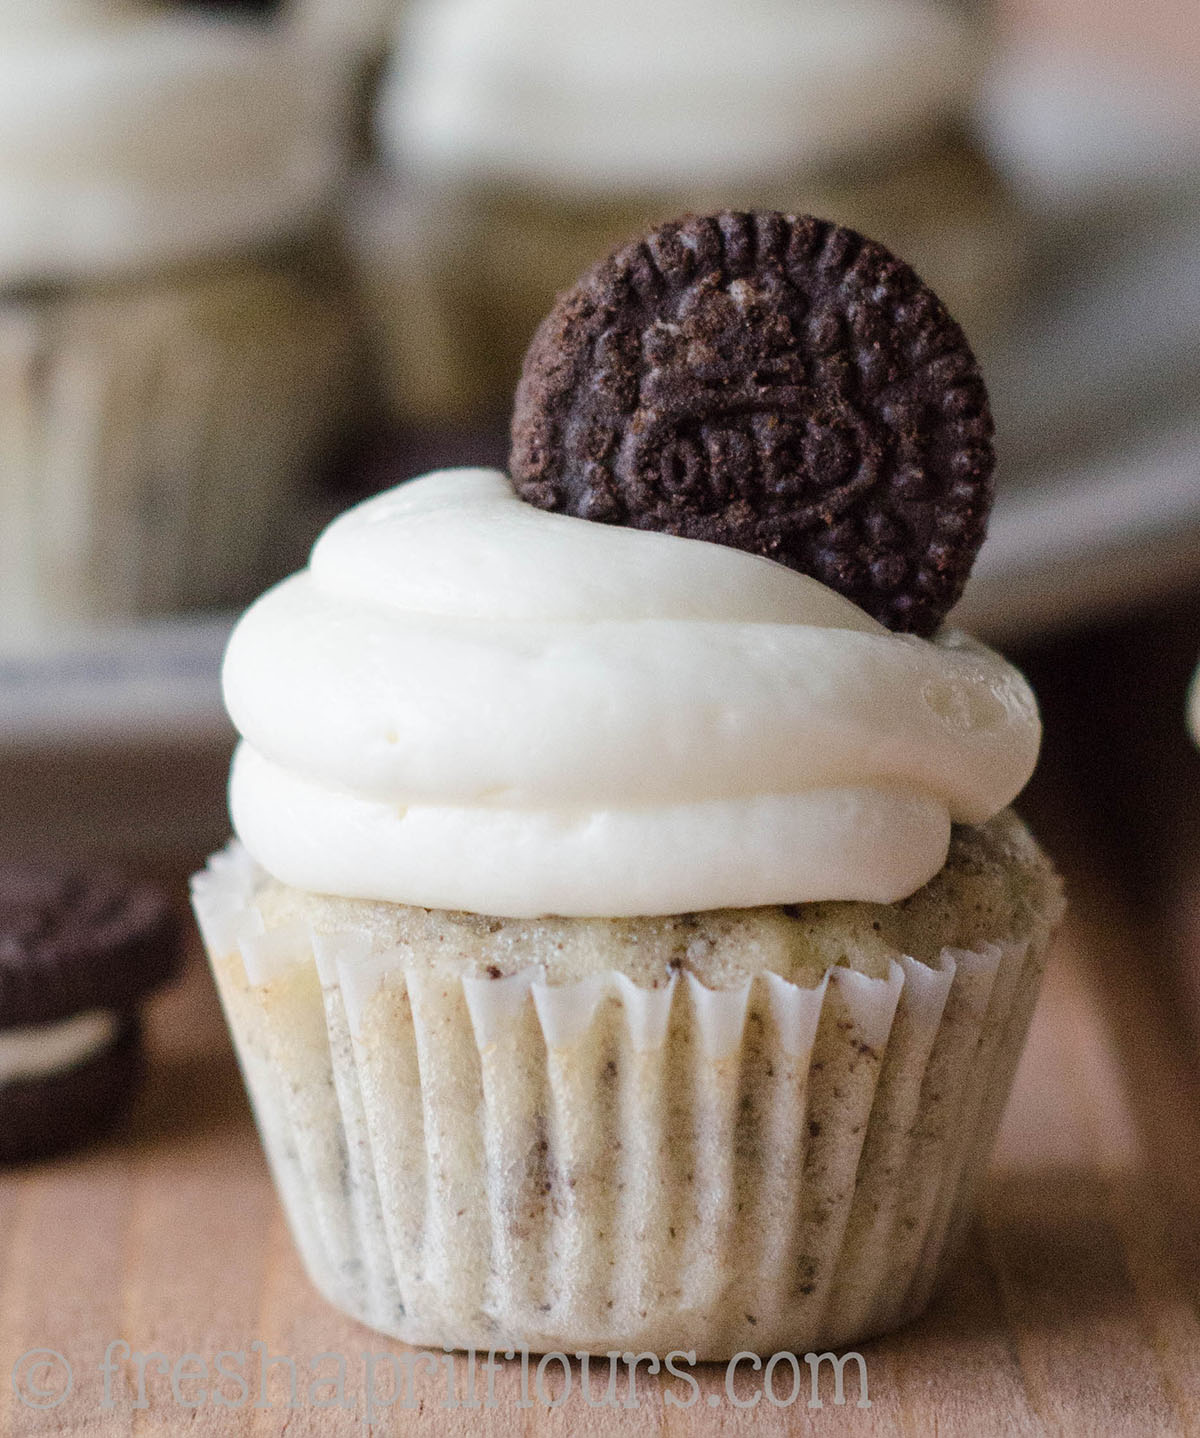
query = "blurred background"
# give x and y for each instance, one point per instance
(259, 260)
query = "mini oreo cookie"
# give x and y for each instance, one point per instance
(68, 1106)
(79, 948)
(774, 383)
(261, 7)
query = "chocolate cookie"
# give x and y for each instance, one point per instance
(79, 947)
(264, 7)
(774, 383)
(50, 1112)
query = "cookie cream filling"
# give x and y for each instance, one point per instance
(43, 1049)
(465, 702)
(638, 95)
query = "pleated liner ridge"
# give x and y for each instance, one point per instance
(595, 1165)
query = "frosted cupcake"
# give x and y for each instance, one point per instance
(529, 137)
(172, 361)
(628, 943)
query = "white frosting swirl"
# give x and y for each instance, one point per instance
(131, 139)
(465, 702)
(672, 94)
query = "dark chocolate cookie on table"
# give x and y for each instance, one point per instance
(258, 7)
(80, 947)
(775, 383)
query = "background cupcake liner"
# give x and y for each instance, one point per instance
(416, 294)
(151, 435)
(457, 273)
(495, 1162)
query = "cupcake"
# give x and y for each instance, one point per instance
(628, 943)
(174, 357)
(529, 139)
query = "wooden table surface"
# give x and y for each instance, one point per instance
(1075, 1311)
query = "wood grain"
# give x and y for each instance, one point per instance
(1074, 1310)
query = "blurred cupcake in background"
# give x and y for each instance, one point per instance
(525, 137)
(132, 138)
(175, 356)
(422, 304)
(351, 38)
(356, 29)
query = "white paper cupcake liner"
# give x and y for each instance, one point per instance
(152, 435)
(501, 1162)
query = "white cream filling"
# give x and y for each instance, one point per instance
(43, 1049)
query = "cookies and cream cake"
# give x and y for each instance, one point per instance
(628, 941)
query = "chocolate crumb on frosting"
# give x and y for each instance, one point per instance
(774, 383)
